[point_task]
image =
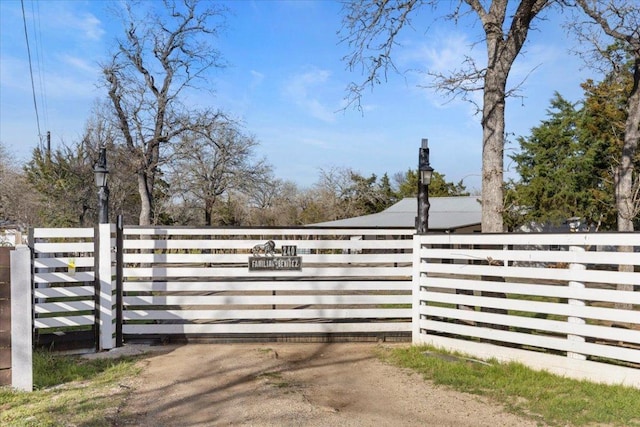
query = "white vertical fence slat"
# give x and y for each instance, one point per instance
(577, 302)
(523, 296)
(415, 292)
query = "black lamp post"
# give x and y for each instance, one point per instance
(425, 172)
(101, 173)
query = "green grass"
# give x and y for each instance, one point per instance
(69, 390)
(275, 379)
(541, 396)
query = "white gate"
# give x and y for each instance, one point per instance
(64, 309)
(195, 282)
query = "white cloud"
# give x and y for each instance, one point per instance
(80, 64)
(91, 26)
(67, 19)
(307, 88)
(443, 53)
(61, 83)
(13, 72)
(256, 79)
(315, 142)
(319, 111)
(71, 87)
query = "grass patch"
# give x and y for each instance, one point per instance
(542, 396)
(387, 306)
(70, 390)
(274, 379)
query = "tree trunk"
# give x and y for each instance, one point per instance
(625, 202)
(493, 150)
(502, 50)
(145, 199)
(208, 212)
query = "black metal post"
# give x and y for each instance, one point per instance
(422, 221)
(119, 279)
(103, 205)
(100, 174)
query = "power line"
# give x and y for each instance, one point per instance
(40, 61)
(33, 88)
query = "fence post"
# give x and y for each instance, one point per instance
(415, 290)
(106, 340)
(119, 278)
(577, 302)
(5, 314)
(21, 320)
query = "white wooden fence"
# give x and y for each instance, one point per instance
(68, 295)
(197, 281)
(63, 280)
(549, 301)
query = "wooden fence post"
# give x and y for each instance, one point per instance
(21, 320)
(577, 302)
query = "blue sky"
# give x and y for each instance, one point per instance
(286, 81)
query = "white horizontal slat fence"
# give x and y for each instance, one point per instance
(561, 302)
(553, 301)
(64, 274)
(190, 281)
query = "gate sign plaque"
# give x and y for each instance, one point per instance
(264, 258)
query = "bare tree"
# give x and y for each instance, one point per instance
(263, 200)
(286, 207)
(620, 21)
(19, 202)
(160, 56)
(100, 132)
(214, 159)
(372, 28)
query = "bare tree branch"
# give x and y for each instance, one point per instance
(159, 56)
(372, 28)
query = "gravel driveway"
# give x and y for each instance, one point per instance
(301, 384)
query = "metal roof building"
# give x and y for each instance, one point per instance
(447, 214)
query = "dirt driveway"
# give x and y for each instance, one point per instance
(294, 385)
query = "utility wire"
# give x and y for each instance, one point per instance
(33, 88)
(37, 30)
